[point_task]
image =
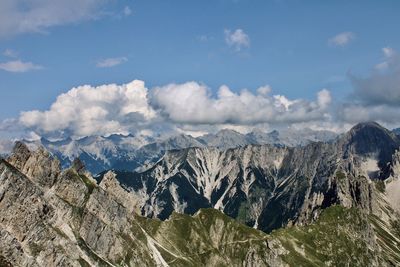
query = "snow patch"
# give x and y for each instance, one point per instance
(370, 167)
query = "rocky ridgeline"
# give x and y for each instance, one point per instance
(266, 186)
(128, 153)
(340, 199)
(50, 217)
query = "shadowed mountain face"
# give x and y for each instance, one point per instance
(266, 186)
(396, 131)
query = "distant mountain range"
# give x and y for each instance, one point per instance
(127, 153)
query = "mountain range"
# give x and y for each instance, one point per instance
(128, 152)
(332, 203)
(266, 186)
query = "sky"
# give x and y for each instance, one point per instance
(76, 68)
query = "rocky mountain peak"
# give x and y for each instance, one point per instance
(37, 165)
(227, 132)
(20, 154)
(368, 129)
(369, 139)
(274, 134)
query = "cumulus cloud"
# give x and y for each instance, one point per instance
(110, 62)
(193, 103)
(342, 39)
(190, 107)
(27, 16)
(19, 66)
(380, 87)
(87, 110)
(264, 90)
(237, 39)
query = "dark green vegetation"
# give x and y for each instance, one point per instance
(339, 237)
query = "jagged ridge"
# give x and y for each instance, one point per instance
(267, 186)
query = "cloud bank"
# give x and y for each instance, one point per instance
(131, 107)
(193, 107)
(192, 103)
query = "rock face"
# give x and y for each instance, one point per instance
(53, 217)
(68, 220)
(268, 186)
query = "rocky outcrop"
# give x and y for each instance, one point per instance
(69, 220)
(39, 166)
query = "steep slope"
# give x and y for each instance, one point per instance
(266, 186)
(53, 218)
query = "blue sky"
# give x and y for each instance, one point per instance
(288, 45)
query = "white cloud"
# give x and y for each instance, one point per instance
(388, 52)
(192, 103)
(127, 11)
(87, 110)
(19, 66)
(264, 90)
(10, 53)
(111, 62)
(390, 56)
(6, 146)
(27, 16)
(382, 66)
(324, 98)
(342, 39)
(237, 39)
(190, 107)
